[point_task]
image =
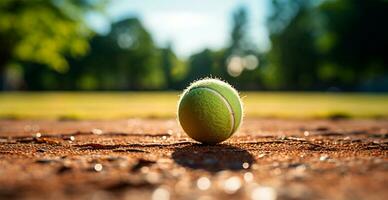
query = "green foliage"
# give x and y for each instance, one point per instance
(316, 45)
(201, 65)
(240, 51)
(294, 52)
(241, 47)
(329, 43)
(239, 31)
(174, 69)
(44, 32)
(126, 58)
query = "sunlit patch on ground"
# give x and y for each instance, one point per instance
(77, 106)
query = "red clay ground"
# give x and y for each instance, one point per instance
(143, 159)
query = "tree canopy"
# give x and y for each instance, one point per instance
(315, 45)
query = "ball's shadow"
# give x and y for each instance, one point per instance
(213, 158)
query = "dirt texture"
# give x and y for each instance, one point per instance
(154, 159)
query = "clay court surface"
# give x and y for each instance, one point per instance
(154, 159)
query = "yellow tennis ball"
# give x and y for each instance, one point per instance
(210, 111)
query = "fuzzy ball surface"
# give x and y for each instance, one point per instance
(210, 111)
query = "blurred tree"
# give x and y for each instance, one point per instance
(137, 56)
(200, 65)
(167, 62)
(174, 69)
(239, 40)
(240, 59)
(125, 59)
(293, 58)
(353, 43)
(43, 32)
(326, 44)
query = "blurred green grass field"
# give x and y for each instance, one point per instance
(118, 105)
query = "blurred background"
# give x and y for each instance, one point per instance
(145, 45)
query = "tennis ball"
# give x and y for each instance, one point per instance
(210, 111)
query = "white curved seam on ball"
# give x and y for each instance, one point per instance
(229, 107)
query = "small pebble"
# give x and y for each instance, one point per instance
(41, 150)
(261, 155)
(263, 193)
(98, 167)
(323, 157)
(245, 165)
(161, 193)
(299, 172)
(347, 138)
(232, 184)
(306, 133)
(38, 135)
(96, 131)
(144, 170)
(301, 168)
(203, 183)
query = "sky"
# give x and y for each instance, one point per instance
(190, 25)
